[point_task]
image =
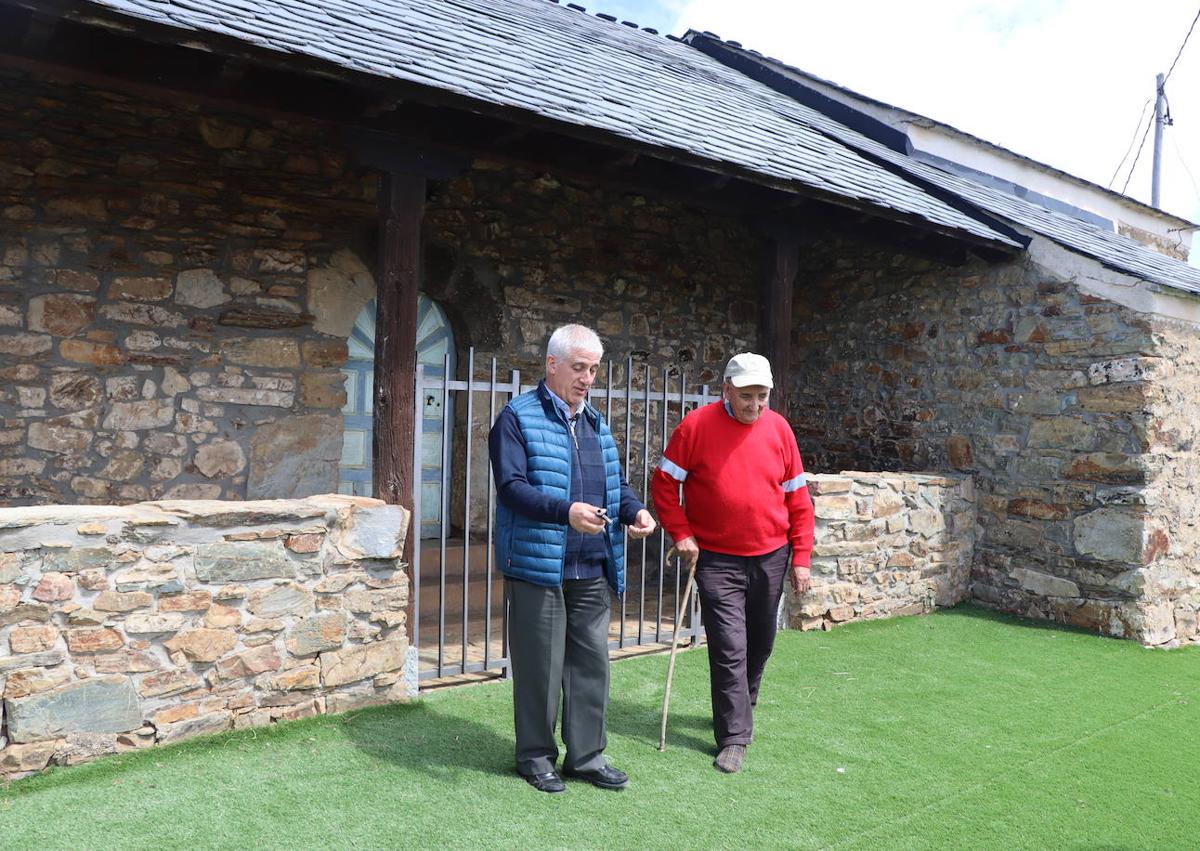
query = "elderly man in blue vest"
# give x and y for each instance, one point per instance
(559, 542)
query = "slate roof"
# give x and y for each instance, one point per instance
(1109, 248)
(572, 67)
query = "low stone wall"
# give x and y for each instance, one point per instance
(124, 627)
(887, 544)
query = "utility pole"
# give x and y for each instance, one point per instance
(1160, 100)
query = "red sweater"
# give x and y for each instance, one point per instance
(744, 490)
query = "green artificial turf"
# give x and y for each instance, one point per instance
(963, 729)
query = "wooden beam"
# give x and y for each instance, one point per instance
(401, 208)
(233, 70)
(396, 154)
(38, 34)
(775, 316)
(621, 162)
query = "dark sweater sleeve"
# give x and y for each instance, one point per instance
(630, 504)
(506, 448)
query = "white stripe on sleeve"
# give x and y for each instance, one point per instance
(795, 484)
(672, 469)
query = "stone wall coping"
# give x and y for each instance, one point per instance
(936, 479)
(169, 512)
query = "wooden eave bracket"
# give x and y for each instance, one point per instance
(401, 155)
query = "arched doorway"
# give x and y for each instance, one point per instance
(435, 339)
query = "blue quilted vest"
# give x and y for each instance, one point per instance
(532, 550)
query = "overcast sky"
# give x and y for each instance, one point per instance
(1060, 81)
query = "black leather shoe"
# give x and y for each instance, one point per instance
(548, 782)
(605, 778)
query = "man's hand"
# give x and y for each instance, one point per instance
(688, 551)
(643, 525)
(801, 579)
(585, 518)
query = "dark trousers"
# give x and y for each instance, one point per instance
(739, 602)
(558, 646)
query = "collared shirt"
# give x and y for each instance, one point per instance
(562, 406)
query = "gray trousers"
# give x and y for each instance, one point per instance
(558, 646)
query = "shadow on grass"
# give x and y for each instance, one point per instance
(637, 721)
(974, 611)
(420, 737)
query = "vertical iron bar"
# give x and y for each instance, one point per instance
(444, 505)
(516, 391)
(415, 524)
(628, 438)
(467, 499)
(491, 505)
(608, 396)
(645, 482)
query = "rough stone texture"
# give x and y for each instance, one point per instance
(326, 631)
(206, 725)
(1074, 415)
(290, 599)
(352, 664)
(62, 315)
(157, 645)
(97, 705)
(376, 533)
(886, 544)
(24, 759)
(200, 288)
(239, 561)
(203, 645)
(220, 459)
(1170, 570)
(32, 639)
(134, 416)
(218, 290)
(293, 456)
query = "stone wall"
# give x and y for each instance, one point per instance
(1171, 575)
(124, 627)
(1052, 397)
(177, 285)
(887, 544)
(169, 280)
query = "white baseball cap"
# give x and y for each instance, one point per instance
(749, 369)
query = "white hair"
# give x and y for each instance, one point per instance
(568, 339)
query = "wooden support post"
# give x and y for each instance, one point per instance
(775, 321)
(401, 208)
(404, 168)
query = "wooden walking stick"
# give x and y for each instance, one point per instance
(683, 607)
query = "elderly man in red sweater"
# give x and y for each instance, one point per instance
(746, 520)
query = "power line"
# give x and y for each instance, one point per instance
(1141, 145)
(1159, 93)
(1136, 128)
(1181, 47)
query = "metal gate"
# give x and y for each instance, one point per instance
(459, 610)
